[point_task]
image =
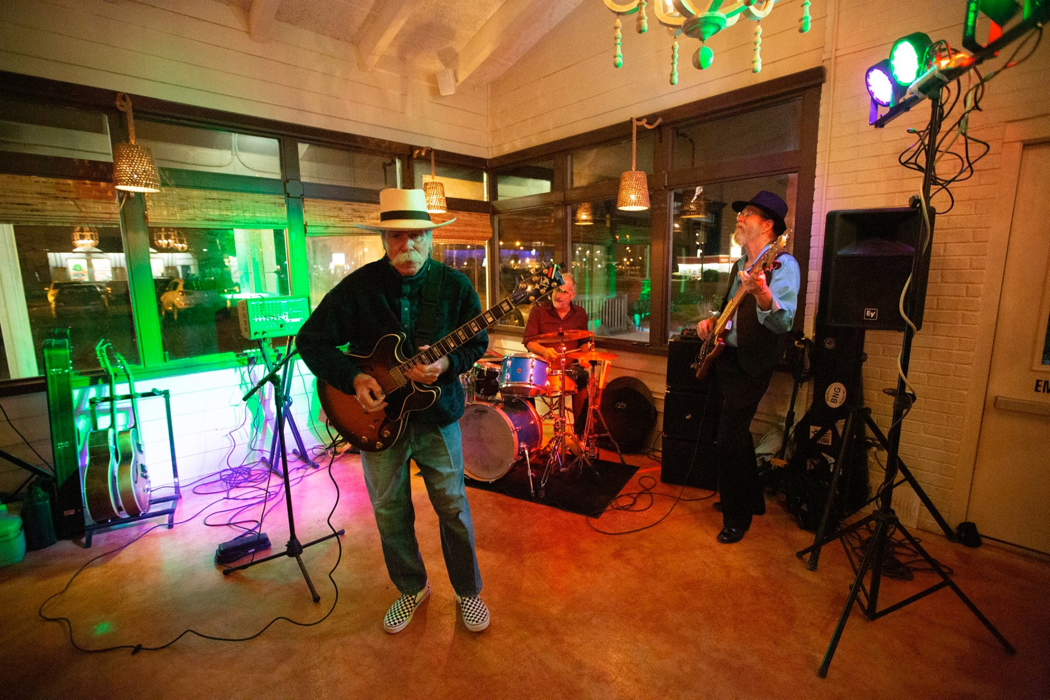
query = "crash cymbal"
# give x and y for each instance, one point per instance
(592, 356)
(562, 336)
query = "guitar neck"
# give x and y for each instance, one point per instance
(459, 337)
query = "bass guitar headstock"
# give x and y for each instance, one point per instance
(534, 288)
(102, 350)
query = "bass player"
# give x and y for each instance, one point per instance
(408, 292)
(743, 370)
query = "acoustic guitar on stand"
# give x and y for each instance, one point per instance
(378, 430)
(715, 343)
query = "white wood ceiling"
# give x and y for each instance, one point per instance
(475, 39)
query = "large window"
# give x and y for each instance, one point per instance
(607, 162)
(459, 182)
(332, 166)
(755, 132)
(611, 262)
(63, 266)
(526, 244)
(703, 249)
(525, 179)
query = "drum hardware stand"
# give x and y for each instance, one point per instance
(286, 385)
(294, 549)
(885, 518)
(599, 369)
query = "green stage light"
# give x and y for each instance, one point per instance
(910, 57)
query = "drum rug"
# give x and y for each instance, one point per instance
(586, 493)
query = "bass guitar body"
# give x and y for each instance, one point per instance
(709, 352)
(98, 478)
(378, 430)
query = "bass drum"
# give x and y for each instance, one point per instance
(496, 436)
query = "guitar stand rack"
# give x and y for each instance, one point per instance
(170, 501)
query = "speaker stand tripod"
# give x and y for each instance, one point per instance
(294, 548)
(885, 519)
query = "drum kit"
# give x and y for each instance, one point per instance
(502, 426)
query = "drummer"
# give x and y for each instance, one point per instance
(557, 315)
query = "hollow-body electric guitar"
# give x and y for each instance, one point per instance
(379, 430)
(716, 342)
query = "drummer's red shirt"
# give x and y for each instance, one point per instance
(544, 319)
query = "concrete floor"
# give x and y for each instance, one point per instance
(663, 613)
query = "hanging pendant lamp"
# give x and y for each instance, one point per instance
(133, 167)
(634, 186)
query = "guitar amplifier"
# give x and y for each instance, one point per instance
(272, 317)
(681, 354)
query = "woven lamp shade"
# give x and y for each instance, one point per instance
(435, 194)
(584, 214)
(634, 191)
(134, 169)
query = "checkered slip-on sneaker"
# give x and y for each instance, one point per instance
(400, 613)
(475, 612)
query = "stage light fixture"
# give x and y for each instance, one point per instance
(880, 84)
(910, 57)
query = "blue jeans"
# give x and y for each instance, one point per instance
(438, 451)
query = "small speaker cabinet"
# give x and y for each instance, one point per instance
(689, 462)
(868, 256)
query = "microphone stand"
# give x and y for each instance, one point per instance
(294, 548)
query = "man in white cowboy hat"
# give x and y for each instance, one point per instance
(742, 372)
(408, 292)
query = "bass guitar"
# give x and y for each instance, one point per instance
(131, 478)
(379, 430)
(103, 454)
(716, 342)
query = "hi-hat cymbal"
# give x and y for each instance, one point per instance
(592, 356)
(562, 335)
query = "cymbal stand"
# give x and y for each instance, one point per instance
(562, 434)
(591, 433)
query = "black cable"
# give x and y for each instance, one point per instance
(28, 444)
(135, 648)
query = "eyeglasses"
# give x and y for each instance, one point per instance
(751, 211)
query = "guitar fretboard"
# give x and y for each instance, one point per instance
(464, 333)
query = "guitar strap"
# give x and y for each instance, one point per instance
(431, 296)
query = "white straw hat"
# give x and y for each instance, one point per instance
(403, 210)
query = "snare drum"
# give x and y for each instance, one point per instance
(484, 378)
(495, 436)
(523, 374)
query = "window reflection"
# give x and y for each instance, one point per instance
(611, 262)
(703, 251)
(756, 132)
(526, 244)
(608, 162)
(525, 179)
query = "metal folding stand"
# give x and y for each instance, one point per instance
(885, 519)
(172, 500)
(286, 385)
(294, 548)
(599, 370)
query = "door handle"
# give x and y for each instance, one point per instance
(1035, 407)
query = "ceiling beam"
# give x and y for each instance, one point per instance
(261, 18)
(500, 27)
(388, 21)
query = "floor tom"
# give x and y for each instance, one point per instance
(495, 436)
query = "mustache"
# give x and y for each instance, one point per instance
(409, 256)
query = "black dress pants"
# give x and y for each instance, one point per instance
(738, 394)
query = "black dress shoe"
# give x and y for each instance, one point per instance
(717, 505)
(729, 535)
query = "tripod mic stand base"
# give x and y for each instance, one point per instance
(294, 550)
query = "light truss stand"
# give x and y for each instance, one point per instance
(885, 518)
